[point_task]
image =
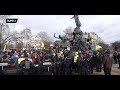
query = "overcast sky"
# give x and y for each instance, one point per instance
(106, 26)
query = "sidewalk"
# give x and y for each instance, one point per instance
(115, 71)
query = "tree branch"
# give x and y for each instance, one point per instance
(9, 37)
(2, 23)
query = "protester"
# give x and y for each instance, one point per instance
(5, 59)
(115, 57)
(83, 64)
(98, 62)
(75, 67)
(12, 58)
(107, 63)
(118, 58)
(26, 66)
(63, 61)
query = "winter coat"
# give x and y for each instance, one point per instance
(107, 62)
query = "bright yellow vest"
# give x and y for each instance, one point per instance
(58, 54)
(76, 58)
(21, 59)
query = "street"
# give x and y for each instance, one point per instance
(115, 71)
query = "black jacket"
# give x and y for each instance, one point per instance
(22, 64)
(118, 57)
(83, 63)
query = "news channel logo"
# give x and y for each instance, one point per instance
(11, 20)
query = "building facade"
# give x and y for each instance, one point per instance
(95, 39)
(35, 42)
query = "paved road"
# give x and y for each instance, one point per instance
(115, 71)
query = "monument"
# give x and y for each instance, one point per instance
(78, 42)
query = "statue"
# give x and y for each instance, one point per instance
(77, 34)
(77, 21)
(61, 38)
(79, 42)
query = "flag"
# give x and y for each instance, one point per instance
(4, 48)
(42, 46)
(98, 47)
(93, 47)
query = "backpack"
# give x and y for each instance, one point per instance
(27, 64)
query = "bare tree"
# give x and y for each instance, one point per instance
(11, 36)
(68, 33)
(104, 46)
(45, 37)
(21, 38)
(19, 45)
(26, 33)
(26, 36)
(9, 46)
(3, 28)
(68, 30)
(15, 37)
(116, 45)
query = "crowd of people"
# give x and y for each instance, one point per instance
(60, 61)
